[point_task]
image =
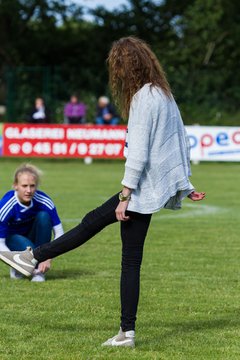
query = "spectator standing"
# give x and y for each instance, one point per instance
(75, 111)
(106, 113)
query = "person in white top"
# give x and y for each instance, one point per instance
(155, 177)
(40, 113)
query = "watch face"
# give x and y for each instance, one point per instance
(121, 197)
(124, 198)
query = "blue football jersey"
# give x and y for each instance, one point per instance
(16, 218)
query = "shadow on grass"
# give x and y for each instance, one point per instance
(68, 274)
(57, 275)
(179, 330)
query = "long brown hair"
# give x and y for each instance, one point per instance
(132, 64)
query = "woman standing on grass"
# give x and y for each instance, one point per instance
(156, 174)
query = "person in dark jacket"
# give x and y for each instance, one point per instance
(106, 113)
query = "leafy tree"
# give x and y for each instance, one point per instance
(205, 58)
(48, 48)
(29, 38)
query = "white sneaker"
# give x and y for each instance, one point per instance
(122, 339)
(22, 261)
(14, 274)
(39, 277)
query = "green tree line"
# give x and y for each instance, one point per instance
(49, 49)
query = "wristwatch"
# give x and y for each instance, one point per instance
(124, 198)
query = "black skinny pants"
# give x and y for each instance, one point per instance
(133, 234)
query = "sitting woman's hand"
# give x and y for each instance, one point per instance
(196, 196)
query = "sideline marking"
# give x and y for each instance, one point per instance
(196, 210)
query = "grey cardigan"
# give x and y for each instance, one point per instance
(157, 153)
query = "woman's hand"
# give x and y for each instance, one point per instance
(44, 266)
(120, 211)
(196, 196)
(124, 198)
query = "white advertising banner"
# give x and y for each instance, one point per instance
(214, 143)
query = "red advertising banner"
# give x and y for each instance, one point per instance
(30, 140)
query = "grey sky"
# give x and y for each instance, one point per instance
(108, 4)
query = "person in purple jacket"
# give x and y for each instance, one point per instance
(75, 111)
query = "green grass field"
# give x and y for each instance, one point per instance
(190, 295)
